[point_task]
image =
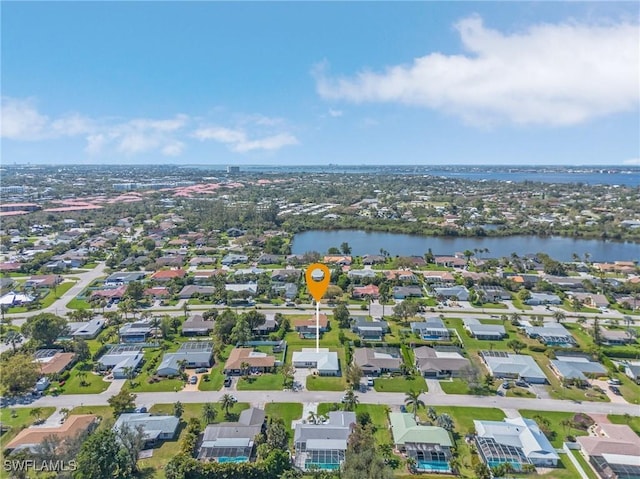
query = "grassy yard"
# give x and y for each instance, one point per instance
(379, 418)
(326, 383)
(632, 421)
(400, 384)
(76, 303)
(264, 382)
(287, 411)
(19, 418)
(216, 376)
(52, 296)
(154, 466)
(94, 383)
(141, 381)
(519, 304)
(519, 392)
(458, 386)
(103, 412)
(555, 419)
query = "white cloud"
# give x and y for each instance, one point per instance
(21, 120)
(173, 149)
(632, 162)
(238, 140)
(551, 74)
(335, 113)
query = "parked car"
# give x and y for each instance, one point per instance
(369, 381)
(193, 380)
(141, 409)
(227, 382)
(615, 390)
(506, 385)
(521, 383)
(201, 370)
(614, 381)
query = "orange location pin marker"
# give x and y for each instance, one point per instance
(317, 286)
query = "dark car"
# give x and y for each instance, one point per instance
(521, 383)
(227, 382)
(615, 390)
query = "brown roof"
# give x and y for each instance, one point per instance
(612, 439)
(57, 363)
(35, 435)
(169, 274)
(311, 322)
(243, 355)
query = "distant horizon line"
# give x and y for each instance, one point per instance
(372, 165)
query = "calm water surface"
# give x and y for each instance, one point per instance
(560, 248)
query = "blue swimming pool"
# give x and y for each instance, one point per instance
(323, 466)
(233, 459)
(433, 466)
(516, 466)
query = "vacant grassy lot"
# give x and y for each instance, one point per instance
(94, 384)
(400, 384)
(458, 386)
(287, 411)
(326, 383)
(19, 418)
(264, 382)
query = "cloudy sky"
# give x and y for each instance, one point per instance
(316, 83)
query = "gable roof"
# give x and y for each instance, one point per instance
(153, 426)
(249, 356)
(33, 436)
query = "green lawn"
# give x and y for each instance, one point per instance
(52, 296)
(154, 466)
(520, 393)
(141, 381)
(216, 376)
(519, 304)
(490, 306)
(94, 383)
(19, 418)
(287, 411)
(264, 382)
(326, 383)
(400, 384)
(379, 418)
(104, 412)
(632, 421)
(584, 464)
(555, 419)
(458, 386)
(76, 303)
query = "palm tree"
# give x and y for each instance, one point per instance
(36, 413)
(209, 413)
(244, 366)
(65, 413)
(227, 401)
(82, 376)
(412, 398)
(350, 401)
(178, 409)
(445, 422)
(431, 413)
(559, 316)
(312, 417)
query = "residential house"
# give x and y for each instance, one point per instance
(232, 258)
(202, 260)
(324, 361)
(537, 299)
(456, 293)
(405, 276)
(15, 299)
(122, 360)
(479, 330)
(173, 261)
(6, 284)
(450, 261)
(86, 330)
(632, 370)
(249, 288)
(517, 441)
(123, 277)
(371, 259)
(165, 275)
(189, 290)
(206, 276)
(576, 367)
(47, 281)
(323, 445)
(288, 290)
(377, 361)
(196, 325)
(503, 365)
(111, 294)
(247, 359)
(232, 441)
(288, 275)
(54, 361)
(404, 292)
(615, 337)
(613, 450)
(235, 232)
(439, 363)
(429, 446)
(369, 291)
(157, 292)
(307, 329)
(551, 334)
(369, 330)
(192, 354)
(341, 260)
(29, 439)
(591, 300)
(136, 332)
(360, 274)
(154, 428)
(270, 259)
(442, 277)
(493, 294)
(431, 329)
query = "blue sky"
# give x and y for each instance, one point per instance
(322, 82)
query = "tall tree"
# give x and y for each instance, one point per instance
(350, 401)
(45, 328)
(227, 401)
(19, 374)
(209, 413)
(122, 402)
(103, 457)
(341, 315)
(361, 457)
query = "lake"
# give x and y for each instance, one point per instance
(560, 248)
